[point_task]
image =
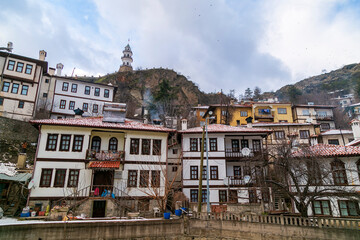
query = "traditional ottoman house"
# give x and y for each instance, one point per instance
(236, 167)
(101, 165)
(325, 177)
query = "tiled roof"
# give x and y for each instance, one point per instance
(97, 122)
(314, 106)
(327, 150)
(354, 143)
(105, 164)
(336, 132)
(271, 124)
(219, 128)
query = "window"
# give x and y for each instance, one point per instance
(193, 144)
(87, 90)
(243, 114)
(144, 178)
(256, 146)
(252, 196)
(235, 147)
(96, 143)
(24, 90)
(113, 144)
(348, 208)
(174, 169)
(78, 143)
(156, 147)
(51, 142)
(237, 122)
(339, 173)
(237, 172)
(194, 170)
(11, 65)
(97, 92)
(45, 95)
(213, 144)
(265, 111)
(45, 179)
(321, 114)
(304, 134)
(222, 196)
(1, 101)
(74, 87)
(6, 87)
(132, 178)
(21, 104)
(134, 146)
(321, 207)
(202, 114)
(233, 197)
(28, 69)
(204, 173)
(145, 147)
(73, 178)
(62, 104)
(306, 112)
(224, 113)
(65, 86)
(19, 67)
(194, 195)
(106, 93)
(324, 126)
(71, 105)
(85, 107)
(333, 141)
(265, 195)
(65, 143)
(214, 172)
(15, 88)
(247, 171)
(155, 178)
(244, 143)
(281, 110)
(279, 134)
(60, 178)
(95, 108)
(47, 80)
(314, 173)
(203, 195)
(174, 151)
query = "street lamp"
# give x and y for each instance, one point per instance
(207, 162)
(9, 47)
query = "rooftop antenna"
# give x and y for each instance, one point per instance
(72, 72)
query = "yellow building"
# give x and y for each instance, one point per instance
(233, 115)
(272, 112)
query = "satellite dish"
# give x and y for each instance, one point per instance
(247, 179)
(226, 181)
(31, 184)
(309, 120)
(245, 151)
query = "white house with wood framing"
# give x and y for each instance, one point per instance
(112, 167)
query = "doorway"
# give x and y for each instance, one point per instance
(99, 209)
(103, 180)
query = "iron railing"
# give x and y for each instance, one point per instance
(105, 155)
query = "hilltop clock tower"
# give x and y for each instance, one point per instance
(126, 60)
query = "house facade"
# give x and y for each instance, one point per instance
(235, 156)
(19, 84)
(109, 166)
(272, 112)
(336, 137)
(317, 114)
(62, 95)
(333, 180)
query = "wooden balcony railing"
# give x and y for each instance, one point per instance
(324, 117)
(105, 155)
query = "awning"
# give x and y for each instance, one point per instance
(104, 164)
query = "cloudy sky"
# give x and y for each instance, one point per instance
(219, 44)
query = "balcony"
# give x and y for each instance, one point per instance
(236, 154)
(239, 182)
(324, 117)
(105, 155)
(264, 115)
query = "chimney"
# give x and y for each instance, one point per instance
(42, 55)
(114, 112)
(184, 124)
(78, 113)
(51, 71)
(59, 68)
(249, 122)
(355, 125)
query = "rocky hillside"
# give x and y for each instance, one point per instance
(344, 81)
(12, 134)
(138, 89)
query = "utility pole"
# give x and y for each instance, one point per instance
(201, 170)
